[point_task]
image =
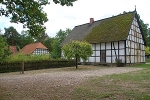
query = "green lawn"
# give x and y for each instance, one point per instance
(147, 60)
(129, 86)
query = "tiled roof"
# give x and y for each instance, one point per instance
(28, 49)
(110, 29)
(13, 49)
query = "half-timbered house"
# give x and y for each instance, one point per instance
(35, 48)
(117, 37)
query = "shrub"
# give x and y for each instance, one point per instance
(119, 63)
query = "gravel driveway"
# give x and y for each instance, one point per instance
(42, 79)
(62, 77)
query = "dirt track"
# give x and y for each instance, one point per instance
(45, 81)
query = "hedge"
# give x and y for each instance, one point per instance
(34, 65)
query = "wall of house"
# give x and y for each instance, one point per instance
(129, 51)
(40, 51)
(135, 44)
(112, 50)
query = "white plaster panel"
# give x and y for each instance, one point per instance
(108, 59)
(121, 52)
(130, 32)
(108, 52)
(122, 58)
(128, 44)
(116, 45)
(108, 45)
(139, 31)
(113, 59)
(102, 46)
(121, 44)
(135, 59)
(132, 51)
(128, 59)
(133, 38)
(97, 53)
(93, 46)
(113, 52)
(135, 46)
(93, 53)
(142, 42)
(127, 51)
(97, 59)
(142, 59)
(97, 46)
(132, 59)
(142, 47)
(132, 44)
(91, 59)
(132, 25)
(128, 38)
(81, 60)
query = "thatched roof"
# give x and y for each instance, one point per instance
(110, 29)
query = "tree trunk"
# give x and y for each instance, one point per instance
(76, 61)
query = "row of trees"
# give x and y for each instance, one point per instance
(12, 38)
(74, 50)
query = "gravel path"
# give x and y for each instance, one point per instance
(45, 82)
(62, 77)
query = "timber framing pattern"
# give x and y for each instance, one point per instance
(117, 37)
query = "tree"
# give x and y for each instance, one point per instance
(59, 38)
(48, 43)
(11, 35)
(25, 38)
(29, 12)
(41, 37)
(56, 50)
(147, 50)
(4, 49)
(61, 35)
(77, 50)
(146, 31)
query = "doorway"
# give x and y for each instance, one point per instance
(103, 56)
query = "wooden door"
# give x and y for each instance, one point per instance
(103, 56)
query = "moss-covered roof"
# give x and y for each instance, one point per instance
(111, 29)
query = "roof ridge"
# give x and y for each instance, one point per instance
(109, 17)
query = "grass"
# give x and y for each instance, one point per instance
(147, 60)
(128, 86)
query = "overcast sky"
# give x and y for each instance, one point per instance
(62, 17)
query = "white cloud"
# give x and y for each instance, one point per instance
(62, 17)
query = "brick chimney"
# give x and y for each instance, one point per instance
(91, 20)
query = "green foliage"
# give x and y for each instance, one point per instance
(119, 62)
(12, 36)
(29, 12)
(61, 35)
(4, 49)
(133, 85)
(24, 39)
(55, 44)
(148, 60)
(26, 58)
(147, 50)
(48, 43)
(56, 52)
(77, 49)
